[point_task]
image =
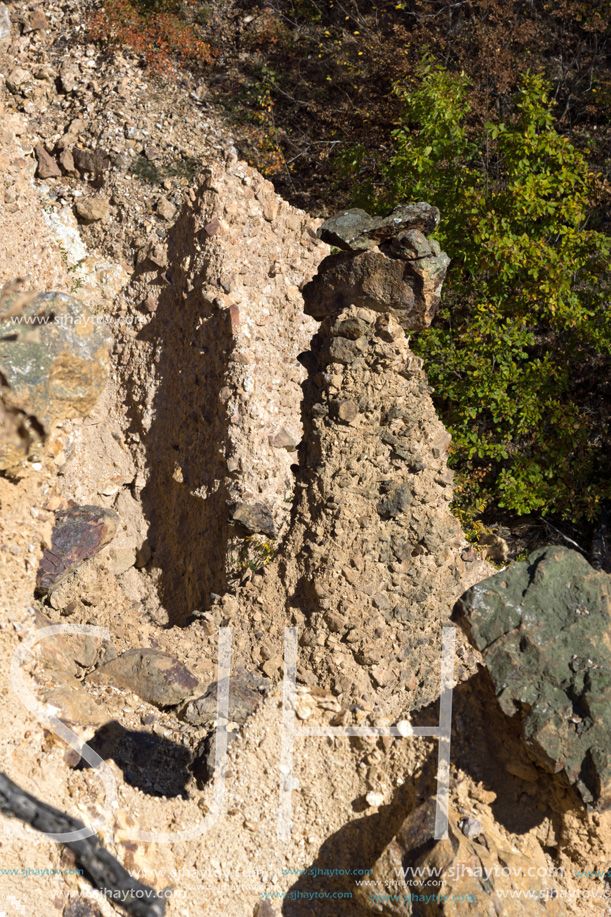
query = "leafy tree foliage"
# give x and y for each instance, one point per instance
(525, 330)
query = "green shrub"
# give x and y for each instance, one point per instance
(523, 341)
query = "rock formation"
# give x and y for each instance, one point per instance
(220, 424)
(373, 552)
(265, 467)
(474, 871)
(389, 266)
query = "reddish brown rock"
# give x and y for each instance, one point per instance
(79, 533)
(212, 227)
(47, 167)
(409, 290)
(154, 676)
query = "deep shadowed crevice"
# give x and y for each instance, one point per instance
(185, 499)
(488, 745)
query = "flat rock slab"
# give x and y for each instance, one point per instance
(78, 534)
(246, 691)
(56, 679)
(154, 676)
(354, 230)
(544, 629)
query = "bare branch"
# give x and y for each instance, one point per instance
(100, 868)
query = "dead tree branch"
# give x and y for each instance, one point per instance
(100, 868)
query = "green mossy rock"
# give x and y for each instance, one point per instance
(53, 366)
(544, 628)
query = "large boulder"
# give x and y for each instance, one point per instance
(53, 366)
(543, 628)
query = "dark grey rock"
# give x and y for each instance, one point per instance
(246, 691)
(412, 246)
(352, 328)
(255, 518)
(354, 230)
(470, 827)
(401, 547)
(343, 350)
(203, 766)
(396, 502)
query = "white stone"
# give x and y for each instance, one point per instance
(405, 728)
(5, 22)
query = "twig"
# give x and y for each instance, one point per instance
(598, 553)
(566, 537)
